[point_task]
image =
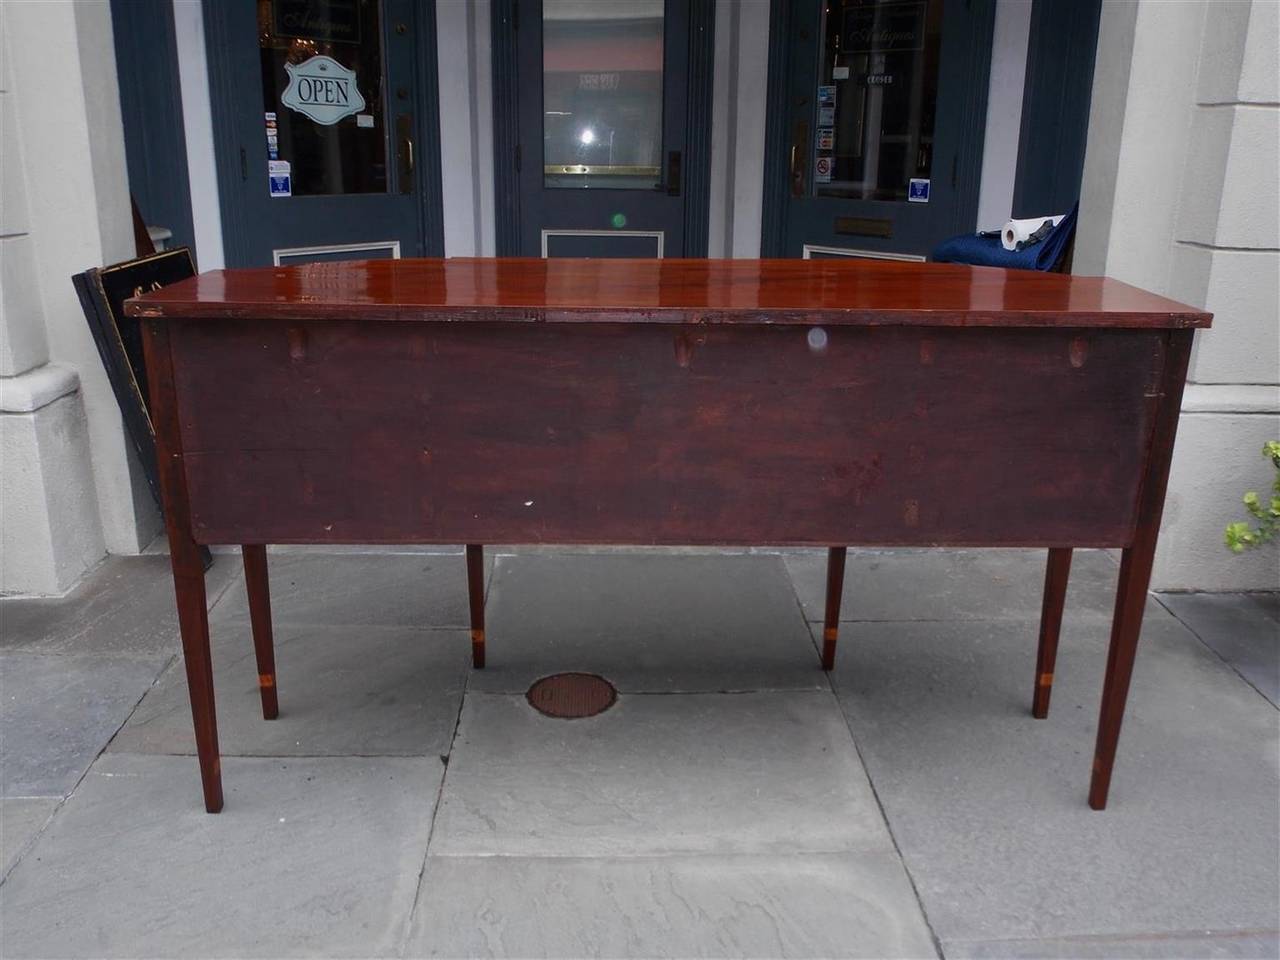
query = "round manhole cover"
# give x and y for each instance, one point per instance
(571, 695)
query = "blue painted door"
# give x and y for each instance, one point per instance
(322, 127)
(602, 88)
(884, 118)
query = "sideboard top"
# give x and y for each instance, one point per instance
(831, 291)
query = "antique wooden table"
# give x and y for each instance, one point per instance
(735, 402)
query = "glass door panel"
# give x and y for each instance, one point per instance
(879, 64)
(602, 81)
(883, 124)
(322, 86)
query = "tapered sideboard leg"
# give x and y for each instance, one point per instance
(259, 591)
(475, 594)
(1126, 625)
(186, 560)
(831, 617)
(1136, 562)
(1056, 573)
(193, 621)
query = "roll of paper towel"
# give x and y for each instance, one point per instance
(1018, 231)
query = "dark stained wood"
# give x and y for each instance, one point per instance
(665, 402)
(831, 616)
(475, 596)
(257, 586)
(643, 434)
(1057, 571)
(1135, 566)
(185, 559)
(833, 292)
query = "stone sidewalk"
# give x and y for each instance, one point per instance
(735, 802)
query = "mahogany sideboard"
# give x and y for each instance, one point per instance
(735, 402)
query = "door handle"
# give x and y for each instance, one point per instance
(799, 160)
(404, 151)
(673, 173)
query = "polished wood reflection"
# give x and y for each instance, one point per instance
(835, 291)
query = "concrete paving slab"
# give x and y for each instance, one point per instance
(356, 690)
(988, 805)
(823, 905)
(58, 712)
(911, 584)
(1158, 946)
(312, 857)
(698, 773)
(124, 606)
(648, 623)
(390, 590)
(20, 821)
(1242, 628)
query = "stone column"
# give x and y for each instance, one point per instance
(1181, 196)
(71, 488)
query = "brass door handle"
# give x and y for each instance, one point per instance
(404, 134)
(799, 160)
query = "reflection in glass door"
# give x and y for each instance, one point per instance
(602, 96)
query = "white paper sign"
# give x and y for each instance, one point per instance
(323, 89)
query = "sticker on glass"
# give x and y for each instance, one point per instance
(364, 120)
(918, 191)
(822, 169)
(826, 116)
(279, 178)
(322, 89)
(826, 138)
(827, 95)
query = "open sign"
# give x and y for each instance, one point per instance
(322, 89)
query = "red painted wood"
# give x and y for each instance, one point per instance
(833, 291)
(614, 433)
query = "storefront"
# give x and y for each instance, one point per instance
(289, 131)
(359, 128)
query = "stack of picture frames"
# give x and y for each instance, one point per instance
(103, 292)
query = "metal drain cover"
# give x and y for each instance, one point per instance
(572, 695)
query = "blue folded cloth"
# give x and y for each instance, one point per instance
(988, 251)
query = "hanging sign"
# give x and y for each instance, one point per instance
(322, 89)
